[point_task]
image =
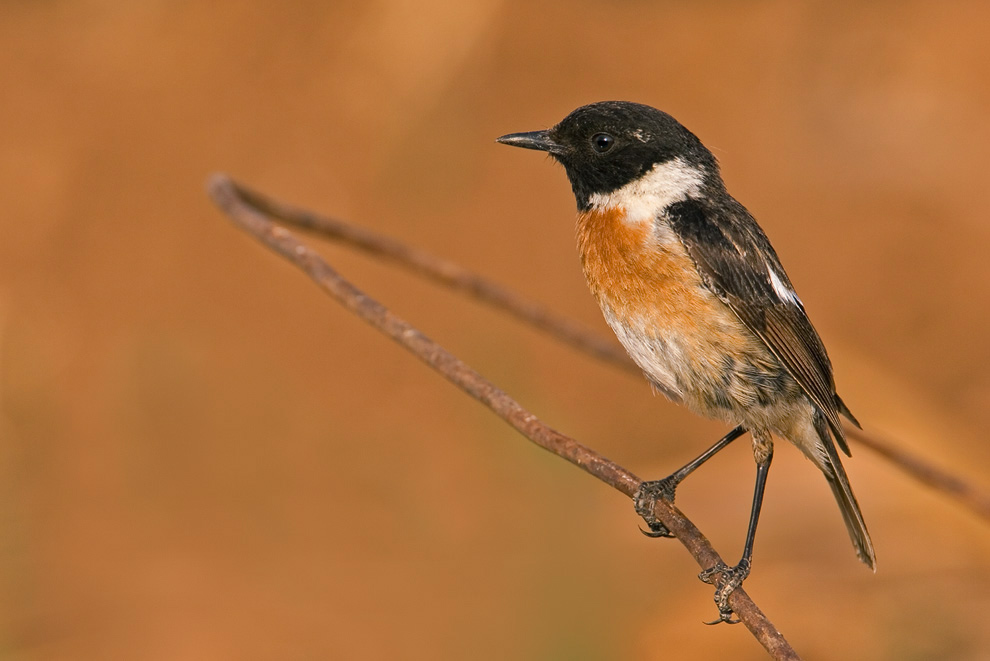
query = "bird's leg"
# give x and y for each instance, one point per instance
(649, 492)
(730, 578)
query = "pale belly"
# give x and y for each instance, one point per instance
(715, 367)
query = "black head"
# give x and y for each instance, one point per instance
(606, 145)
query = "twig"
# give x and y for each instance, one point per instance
(445, 272)
(973, 498)
(226, 195)
(452, 275)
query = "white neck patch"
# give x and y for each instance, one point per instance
(643, 199)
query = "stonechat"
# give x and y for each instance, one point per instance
(695, 293)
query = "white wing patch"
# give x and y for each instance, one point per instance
(786, 293)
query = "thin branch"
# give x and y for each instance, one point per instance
(226, 195)
(457, 277)
(975, 499)
(444, 272)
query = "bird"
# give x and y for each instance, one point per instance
(696, 294)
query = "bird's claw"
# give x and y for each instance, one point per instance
(646, 499)
(729, 578)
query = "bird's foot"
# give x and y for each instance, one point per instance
(646, 499)
(729, 578)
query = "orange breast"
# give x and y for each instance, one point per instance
(638, 272)
(689, 343)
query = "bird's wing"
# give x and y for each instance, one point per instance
(737, 262)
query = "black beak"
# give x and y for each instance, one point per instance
(539, 140)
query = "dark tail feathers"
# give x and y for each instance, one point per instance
(839, 481)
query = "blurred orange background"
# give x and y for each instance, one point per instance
(203, 457)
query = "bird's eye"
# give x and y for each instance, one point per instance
(602, 142)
